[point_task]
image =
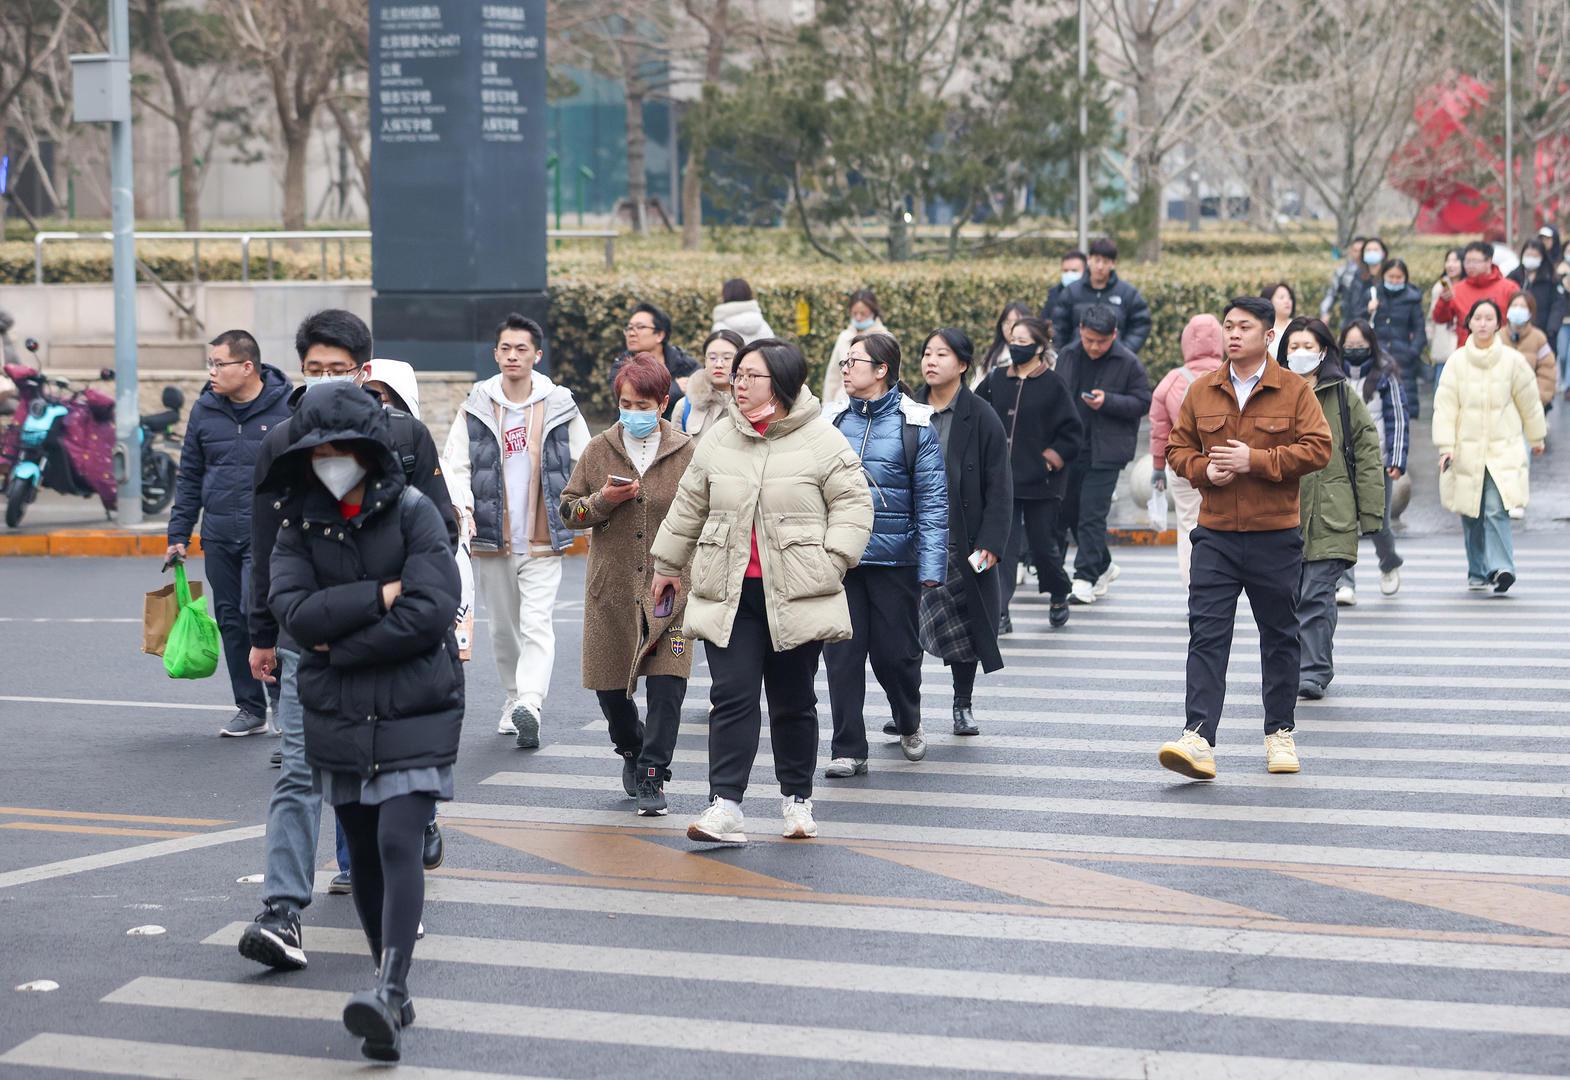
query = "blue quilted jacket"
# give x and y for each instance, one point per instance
(910, 507)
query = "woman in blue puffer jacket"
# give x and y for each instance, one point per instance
(903, 460)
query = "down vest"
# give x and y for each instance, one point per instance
(910, 506)
(801, 490)
(1485, 404)
(387, 693)
(218, 462)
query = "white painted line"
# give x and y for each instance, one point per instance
(169, 1061)
(1383, 785)
(1250, 658)
(1175, 699)
(1311, 854)
(997, 926)
(905, 1049)
(1264, 816)
(1074, 635)
(78, 622)
(1463, 679)
(110, 703)
(951, 983)
(122, 856)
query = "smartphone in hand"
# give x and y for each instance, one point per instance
(1089, 395)
(666, 604)
(620, 481)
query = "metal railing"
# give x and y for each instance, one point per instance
(268, 237)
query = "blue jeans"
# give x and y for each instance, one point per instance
(295, 813)
(1489, 546)
(1562, 351)
(228, 569)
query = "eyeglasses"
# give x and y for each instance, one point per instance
(214, 365)
(635, 328)
(336, 370)
(745, 378)
(849, 360)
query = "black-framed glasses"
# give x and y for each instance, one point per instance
(315, 372)
(633, 328)
(744, 378)
(849, 360)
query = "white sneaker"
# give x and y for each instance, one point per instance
(1390, 583)
(842, 767)
(1346, 596)
(721, 823)
(1104, 582)
(798, 819)
(507, 727)
(1518, 513)
(1082, 592)
(914, 747)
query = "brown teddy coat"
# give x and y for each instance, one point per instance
(622, 639)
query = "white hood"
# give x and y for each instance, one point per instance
(399, 377)
(539, 389)
(744, 317)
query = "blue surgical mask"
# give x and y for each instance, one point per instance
(1395, 286)
(1069, 277)
(639, 424)
(318, 380)
(1374, 257)
(1518, 316)
(863, 325)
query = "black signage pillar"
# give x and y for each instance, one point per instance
(457, 176)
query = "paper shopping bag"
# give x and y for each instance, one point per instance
(159, 609)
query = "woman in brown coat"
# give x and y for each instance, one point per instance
(620, 492)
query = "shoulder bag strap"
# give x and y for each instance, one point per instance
(1349, 452)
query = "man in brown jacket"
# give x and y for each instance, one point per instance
(1246, 434)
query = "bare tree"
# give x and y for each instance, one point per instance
(1540, 78)
(30, 32)
(714, 17)
(300, 45)
(1182, 62)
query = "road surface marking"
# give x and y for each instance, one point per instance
(91, 830)
(114, 703)
(82, 815)
(122, 856)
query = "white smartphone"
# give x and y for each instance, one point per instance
(978, 562)
(620, 481)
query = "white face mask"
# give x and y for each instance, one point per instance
(1304, 362)
(1068, 277)
(318, 380)
(1531, 262)
(338, 475)
(1518, 316)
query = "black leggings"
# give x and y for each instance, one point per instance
(388, 876)
(964, 672)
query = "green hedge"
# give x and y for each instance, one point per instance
(589, 309)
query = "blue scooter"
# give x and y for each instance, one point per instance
(38, 445)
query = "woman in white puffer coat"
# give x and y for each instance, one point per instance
(1486, 411)
(739, 312)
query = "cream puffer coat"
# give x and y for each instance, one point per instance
(1486, 401)
(801, 488)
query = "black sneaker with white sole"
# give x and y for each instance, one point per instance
(527, 721)
(273, 939)
(651, 796)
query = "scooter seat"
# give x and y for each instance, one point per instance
(161, 421)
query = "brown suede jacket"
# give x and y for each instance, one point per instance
(1285, 429)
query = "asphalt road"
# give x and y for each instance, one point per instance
(1042, 900)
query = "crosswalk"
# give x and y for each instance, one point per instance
(1040, 900)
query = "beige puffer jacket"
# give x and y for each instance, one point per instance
(801, 487)
(1486, 401)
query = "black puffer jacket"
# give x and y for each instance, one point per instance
(218, 458)
(1127, 304)
(387, 693)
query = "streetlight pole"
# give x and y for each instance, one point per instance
(126, 409)
(1509, 136)
(1084, 135)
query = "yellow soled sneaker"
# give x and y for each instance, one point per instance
(1190, 755)
(1280, 752)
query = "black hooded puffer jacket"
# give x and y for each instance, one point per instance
(388, 692)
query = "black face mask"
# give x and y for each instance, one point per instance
(1022, 354)
(1357, 357)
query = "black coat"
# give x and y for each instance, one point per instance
(1112, 431)
(1399, 323)
(981, 506)
(1122, 298)
(387, 693)
(1036, 413)
(677, 362)
(283, 495)
(1543, 286)
(218, 459)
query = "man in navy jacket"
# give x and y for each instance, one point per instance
(245, 399)
(1101, 286)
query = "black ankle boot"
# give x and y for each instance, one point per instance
(379, 1016)
(965, 720)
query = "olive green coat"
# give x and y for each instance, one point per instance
(622, 639)
(800, 488)
(1331, 520)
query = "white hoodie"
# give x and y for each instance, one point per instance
(398, 376)
(743, 317)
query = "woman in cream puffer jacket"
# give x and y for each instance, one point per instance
(1485, 404)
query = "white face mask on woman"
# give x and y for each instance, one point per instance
(1304, 361)
(338, 474)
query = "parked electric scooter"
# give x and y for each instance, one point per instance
(64, 441)
(158, 468)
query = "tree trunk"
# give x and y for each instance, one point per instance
(637, 179)
(190, 175)
(899, 234)
(1147, 162)
(697, 140)
(296, 144)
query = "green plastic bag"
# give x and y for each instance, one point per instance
(192, 649)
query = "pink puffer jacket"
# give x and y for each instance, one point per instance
(1201, 355)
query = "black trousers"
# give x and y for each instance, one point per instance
(883, 612)
(1041, 533)
(1097, 485)
(228, 570)
(650, 744)
(386, 842)
(739, 672)
(1266, 565)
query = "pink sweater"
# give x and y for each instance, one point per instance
(1201, 355)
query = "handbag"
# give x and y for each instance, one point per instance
(193, 646)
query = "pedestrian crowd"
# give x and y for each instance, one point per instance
(888, 519)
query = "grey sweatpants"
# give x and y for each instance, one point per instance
(1316, 619)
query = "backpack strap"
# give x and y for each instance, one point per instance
(912, 446)
(404, 442)
(1349, 452)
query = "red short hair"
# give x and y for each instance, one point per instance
(644, 376)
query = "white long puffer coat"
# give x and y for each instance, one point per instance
(1486, 402)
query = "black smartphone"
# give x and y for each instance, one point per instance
(666, 604)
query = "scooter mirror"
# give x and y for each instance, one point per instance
(31, 344)
(174, 398)
(106, 374)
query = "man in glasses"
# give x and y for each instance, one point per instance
(648, 330)
(244, 399)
